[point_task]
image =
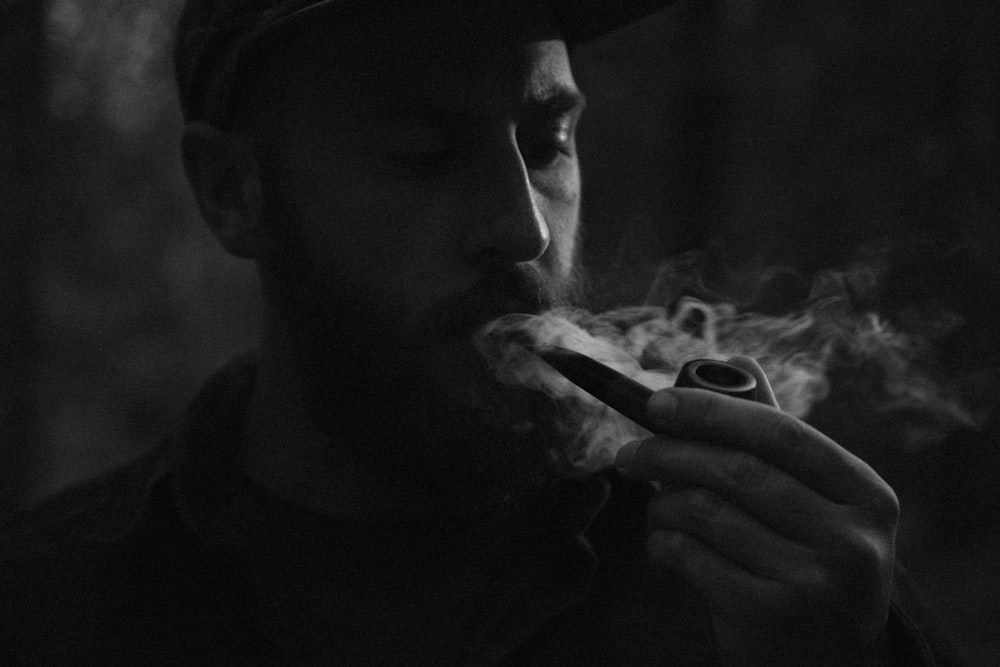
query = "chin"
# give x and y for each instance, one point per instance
(457, 439)
(430, 414)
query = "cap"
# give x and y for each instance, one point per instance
(215, 36)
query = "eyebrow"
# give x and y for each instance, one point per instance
(553, 102)
(557, 101)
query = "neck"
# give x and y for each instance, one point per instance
(287, 453)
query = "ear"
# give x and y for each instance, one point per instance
(225, 177)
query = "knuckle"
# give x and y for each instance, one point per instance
(869, 554)
(708, 408)
(813, 583)
(859, 570)
(691, 509)
(665, 547)
(703, 504)
(646, 456)
(675, 541)
(655, 453)
(886, 505)
(744, 471)
(784, 429)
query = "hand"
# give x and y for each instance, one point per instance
(788, 536)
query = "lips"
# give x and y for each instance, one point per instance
(498, 295)
(473, 327)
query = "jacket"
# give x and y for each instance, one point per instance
(178, 559)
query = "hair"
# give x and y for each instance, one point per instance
(269, 73)
(257, 111)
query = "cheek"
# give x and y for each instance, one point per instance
(354, 213)
(390, 241)
(564, 245)
(563, 218)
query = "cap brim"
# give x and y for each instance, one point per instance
(584, 20)
(580, 20)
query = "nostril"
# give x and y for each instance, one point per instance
(509, 242)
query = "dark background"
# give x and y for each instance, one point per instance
(804, 134)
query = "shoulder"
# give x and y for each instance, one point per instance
(87, 516)
(104, 510)
(110, 573)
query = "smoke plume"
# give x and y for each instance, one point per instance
(798, 350)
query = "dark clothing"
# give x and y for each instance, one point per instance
(179, 559)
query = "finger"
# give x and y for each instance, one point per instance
(765, 394)
(772, 435)
(725, 529)
(768, 494)
(724, 585)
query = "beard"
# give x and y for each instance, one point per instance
(421, 407)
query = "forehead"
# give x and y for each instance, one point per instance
(482, 54)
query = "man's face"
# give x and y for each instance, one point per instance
(426, 174)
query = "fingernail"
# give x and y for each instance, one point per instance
(625, 455)
(661, 405)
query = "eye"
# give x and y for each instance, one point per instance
(414, 144)
(543, 148)
(419, 158)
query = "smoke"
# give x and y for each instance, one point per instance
(829, 332)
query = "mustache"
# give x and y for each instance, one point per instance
(519, 289)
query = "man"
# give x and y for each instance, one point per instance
(362, 491)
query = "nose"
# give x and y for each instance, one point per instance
(507, 226)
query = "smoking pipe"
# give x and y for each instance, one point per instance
(629, 397)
